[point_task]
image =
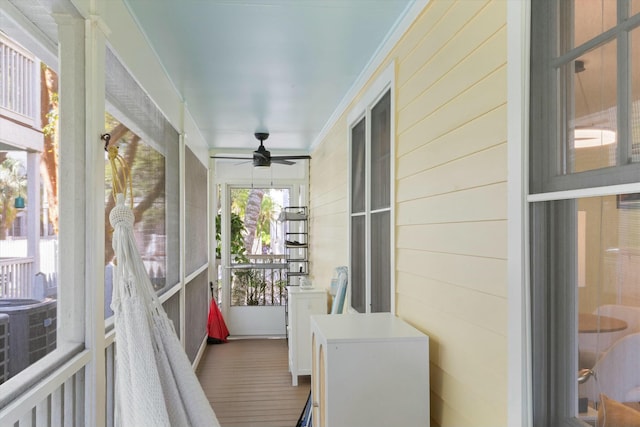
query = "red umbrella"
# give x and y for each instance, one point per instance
(216, 328)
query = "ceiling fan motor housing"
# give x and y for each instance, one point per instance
(262, 156)
(259, 160)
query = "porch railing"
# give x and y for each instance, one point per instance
(16, 277)
(261, 281)
(18, 80)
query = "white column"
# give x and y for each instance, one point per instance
(33, 209)
(81, 186)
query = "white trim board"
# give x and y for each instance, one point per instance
(518, 304)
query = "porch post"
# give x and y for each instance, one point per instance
(81, 236)
(33, 212)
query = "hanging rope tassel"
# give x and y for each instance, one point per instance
(120, 180)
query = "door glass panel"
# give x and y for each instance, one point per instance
(607, 260)
(257, 242)
(380, 152)
(380, 262)
(592, 17)
(358, 263)
(358, 145)
(592, 110)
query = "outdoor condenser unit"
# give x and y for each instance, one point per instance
(32, 326)
(4, 347)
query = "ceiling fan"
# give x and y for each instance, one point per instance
(262, 157)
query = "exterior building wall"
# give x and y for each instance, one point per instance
(451, 202)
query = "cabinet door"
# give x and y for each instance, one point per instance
(312, 304)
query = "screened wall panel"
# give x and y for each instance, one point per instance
(135, 120)
(172, 307)
(196, 311)
(195, 213)
(172, 198)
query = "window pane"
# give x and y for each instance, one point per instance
(592, 17)
(381, 262)
(635, 95)
(591, 111)
(358, 264)
(380, 152)
(608, 293)
(358, 147)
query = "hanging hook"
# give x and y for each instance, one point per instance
(106, 138)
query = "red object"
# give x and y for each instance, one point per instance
(216, 328)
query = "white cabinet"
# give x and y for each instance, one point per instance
(368, 370)
(302, 304)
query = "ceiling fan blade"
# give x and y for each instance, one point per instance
(282, 161)
(301, 157)
(231, 157)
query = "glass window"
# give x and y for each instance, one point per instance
(591, 18)
(585, 250)
(370, 208)
(592, 136)
(584, 63)
(380, 153)
(358, 264)
(358, 151)
(635, 95)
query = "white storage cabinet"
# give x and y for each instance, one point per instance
(302, 304)
(368, 370)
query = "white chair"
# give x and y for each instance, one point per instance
(341, 290)
(591, 346)
(616, 373)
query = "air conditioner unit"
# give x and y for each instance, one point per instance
(4, 347)
(33, 330)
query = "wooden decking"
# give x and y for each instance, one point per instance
(248, 384)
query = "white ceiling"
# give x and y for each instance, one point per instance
(281, 66)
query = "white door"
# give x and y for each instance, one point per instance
(253, 260)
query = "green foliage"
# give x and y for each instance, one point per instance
(239, 200)
(250, 287)
(13, 183)
(50, 127)
(238, 252)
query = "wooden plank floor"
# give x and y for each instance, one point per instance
(248, 383)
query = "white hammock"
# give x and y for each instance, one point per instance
(155, 384)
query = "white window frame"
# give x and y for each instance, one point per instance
(383, 83)
(615, 180)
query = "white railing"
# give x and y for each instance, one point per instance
(17, 79)
(16, 277)
(60, 402)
